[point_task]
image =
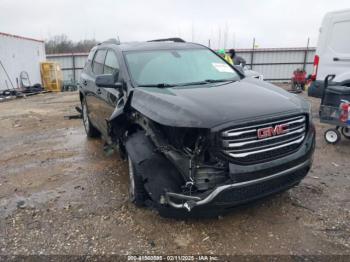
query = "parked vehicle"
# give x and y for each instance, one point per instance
(198, 135)
(251, 73)
(332, 53)
(335, 110)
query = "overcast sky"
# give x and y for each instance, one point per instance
(274, 23)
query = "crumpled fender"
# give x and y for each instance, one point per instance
(157, 171)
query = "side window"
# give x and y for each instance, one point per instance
(88, 61)
(97, 64)
(111, 64)
(91, 54)
(340, 37)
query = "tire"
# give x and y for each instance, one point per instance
(293, 86)
(90, 130)
(346, 132)
(332, 136)
(137, 192)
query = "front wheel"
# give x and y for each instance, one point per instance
(346, 132)
(332, 136)
(137, 192)
(90, 130)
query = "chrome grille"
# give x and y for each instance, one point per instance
(243, 144)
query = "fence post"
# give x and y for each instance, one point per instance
(252, 55)
(306, 53)
(73, 63)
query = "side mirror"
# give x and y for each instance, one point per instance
(107, 81)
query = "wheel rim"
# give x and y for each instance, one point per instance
(85, 119)
(331, 136)
(131, 180)
(346, 131)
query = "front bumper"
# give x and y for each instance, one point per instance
(284, 173)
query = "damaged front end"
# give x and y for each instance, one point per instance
(189, 150)
(186, 169)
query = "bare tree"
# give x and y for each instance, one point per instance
(62, 44)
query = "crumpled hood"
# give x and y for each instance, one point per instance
(207, 106)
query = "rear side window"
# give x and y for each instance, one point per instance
(91, 54)
(340, 38)
(88, 62)
(111, 63)
(97, 64)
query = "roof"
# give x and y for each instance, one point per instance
(147, 46)
(21, 37)
(68, 54)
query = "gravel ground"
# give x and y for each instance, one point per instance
(60, 194)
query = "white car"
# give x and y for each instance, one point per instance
(251, 73)
(333, 52)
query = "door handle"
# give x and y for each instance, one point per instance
(99, 91)
(85, 83)
(336, 59)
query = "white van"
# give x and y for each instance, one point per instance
(333, 52)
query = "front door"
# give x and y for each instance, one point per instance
(108, 97)
(93, 95)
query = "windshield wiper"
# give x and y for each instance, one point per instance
(160, 85)
(219, 80)
(208, 81)
(194, 83)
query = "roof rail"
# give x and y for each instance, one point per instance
(173, 39)
(111, 41)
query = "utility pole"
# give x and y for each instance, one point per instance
(306, 53)
(252, 55)
(234, 40)
(192, 32)
(209, 43)
(225, 36)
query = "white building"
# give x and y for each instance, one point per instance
(19, 54)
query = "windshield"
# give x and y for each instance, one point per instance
(177, 67)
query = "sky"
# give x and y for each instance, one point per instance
(225, 23)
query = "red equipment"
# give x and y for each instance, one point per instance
(298, 80)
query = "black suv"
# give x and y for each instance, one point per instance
(199, 136)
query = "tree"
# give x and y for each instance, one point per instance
(62, 44)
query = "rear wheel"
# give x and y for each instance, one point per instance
(346, 132)
(137, 192)
(332, 136)
(90, 130)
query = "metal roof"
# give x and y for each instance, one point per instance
(21, 37)
(284, 49)
(68, 54)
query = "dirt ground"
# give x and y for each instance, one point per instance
(60, 194)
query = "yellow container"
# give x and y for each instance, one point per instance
(51, 76)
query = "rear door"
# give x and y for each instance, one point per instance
(108, 97)
(335, 58)
(86, 78)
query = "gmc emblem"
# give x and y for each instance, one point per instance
(272, 131)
